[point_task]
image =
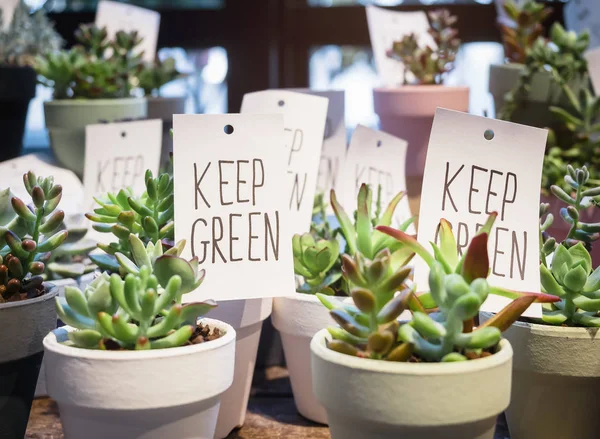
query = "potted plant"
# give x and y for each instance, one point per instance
(113, 371)
(92, 82)
(407, 111)
(526, 86)
(152, 78)
(26, 37)
(26, 309)
(381, 378)
(317, 263)
(559, 353)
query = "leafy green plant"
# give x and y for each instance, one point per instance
(429, 65)
(31, 233)
(97, 68)
(314, 261)
(525, 28)
(27, 36)
(154, 75)
(150, 216)
(143, 311)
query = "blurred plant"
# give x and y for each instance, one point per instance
(27, 36)
(426, 64)
(97, 68)
(144, 311)
(525, 28)
(149, 216)
(153, 76)
(562, 57)
(320, 228)
(28, 235)
(314, 262)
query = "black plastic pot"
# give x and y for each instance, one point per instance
(17, 88)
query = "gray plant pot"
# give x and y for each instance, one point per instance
(66, 120)
(164, 109)
(543, 94)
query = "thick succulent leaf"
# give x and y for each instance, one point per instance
(106, 262)
(581, 256)
(557, 317)
(177, 338)
(539, 297)
(342, 347)
(593, 281)
(66, 270)
(388, 214)
(401, 352)
(476, 263)
(328, 301)
(347, 322)
(447, 246)
(439, 256)
(346, 225)
(586, 319)
(138, 251)
(192, 311)
(549, 284)
(481, 338)
(363, 222)
(427, 327)
(509, 314)
(561, 261)
(392, 309)
(85, 338)
(77, 301)
(426, 300)
(167, 266)
(339, 334)
(575, 278)
(70, 317)
(453, 357)
(410, 242)
(126, 264)
(586, 304)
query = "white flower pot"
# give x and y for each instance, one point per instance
(246, 317)
(81, 282)
(298, 318)
(556, 382)
(154, 394)
(377, 399)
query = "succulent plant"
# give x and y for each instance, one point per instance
(525, 28)
(32, 232)
(149, 216)
(154, 75)
(314, 262)
(27, 36)
(97, 68)
(320, 228)
(143, 311)
(426, 64)
(562, 56)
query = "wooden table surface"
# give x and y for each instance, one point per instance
(271, 414)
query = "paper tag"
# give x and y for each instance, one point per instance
(376, 158)
(593, 59)
(8, 9)
(304, 118)
(231, 204)
(584, 14)
(468, 176)
(117, 156)
(387, 26)
(12, 175)
(118, 16)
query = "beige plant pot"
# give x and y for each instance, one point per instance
(407, 112)
(66, 120)
(377, 399)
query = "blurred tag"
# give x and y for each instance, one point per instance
(593, 59)
(476, 166)
(117, 156)
(304, 119)
(377, 159)
(118, 16)
(581, 15)
(8, 9)
(12, 176)
(387, 26)
(231, 204)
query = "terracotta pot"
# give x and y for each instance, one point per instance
(17, 88)
(377, 399)
(66, 120)
(154, 394)
(24, 325)
(543, 93)
(298, 318)
(556, 382)
(246, 317)
(407, 112)
(164, 108)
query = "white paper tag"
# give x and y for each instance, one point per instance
(12, 176)
(593, 59)
(8, 9)
(387, 26)
(304, 118)
(466, 177)
(118, 16)
(231, 204)
(117, 156)
(376, 158)
(584, 14)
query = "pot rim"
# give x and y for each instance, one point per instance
(52, 344)
(165, 98)
(49, 295)
(317, 346)
(92, 102)
(425, 88)
(558, 331)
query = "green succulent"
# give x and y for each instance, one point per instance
(149, 216)
(426, 64)
(27, 36)
(314, 261)
(30, 234)
(143, 311)
(154, 75)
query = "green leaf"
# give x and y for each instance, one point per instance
(138, 251)
(410, 242)
(593, 281)
(549, 283)
(363, 222)
(192, 311)
(575, 278)
(345, 224)
(177, 338)
(447, 245)
(386, 218)
(476, 262)
(427, 327)
(85, 338)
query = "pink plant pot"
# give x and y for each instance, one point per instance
(560, 228)
(407, 112)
